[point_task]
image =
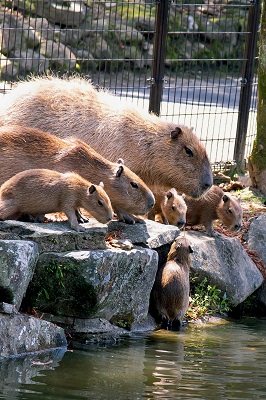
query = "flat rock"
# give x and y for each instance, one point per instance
(56, 236)
(22, 334)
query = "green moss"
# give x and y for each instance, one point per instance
(61, 290)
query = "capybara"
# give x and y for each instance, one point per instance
(24, 148)
(170, 208)
(161, 153)
(215, 204)
(41, 191)
(170, 292)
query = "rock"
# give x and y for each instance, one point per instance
(257, 236)
(6, 308)
(226, 265)
(256, 241)
(7, 68)
(17, 263)
(110, 284)
(21, 334)
(58, 54)
(30, 61)
(68, 13)
(151, 234)
(56, 236)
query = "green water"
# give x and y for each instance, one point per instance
(206, 362)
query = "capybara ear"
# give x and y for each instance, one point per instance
(169, 194)
(190, 249)
(120, 161)
(101, 184)
(92, 189)
(119, 171)
(175, 133)
(183, 195)
(225, 198)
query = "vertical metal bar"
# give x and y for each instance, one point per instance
(159, 51)
(247, 81)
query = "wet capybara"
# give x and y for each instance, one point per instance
(162, 153)
(170, 293)
(170, 208)
(215, 204)
(24, 148)
(42, 191)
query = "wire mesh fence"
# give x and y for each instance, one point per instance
(202, 73)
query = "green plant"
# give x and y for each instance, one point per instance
(206, 299)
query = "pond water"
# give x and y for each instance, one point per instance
(207, 362)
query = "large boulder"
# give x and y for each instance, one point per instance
(17, 263)
(225, 263)
(113, 284)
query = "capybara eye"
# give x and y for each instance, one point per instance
(100, 203)
(189, 152)
(173, 208)
(134, 185)
(229, 210)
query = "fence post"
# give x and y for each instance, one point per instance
(246, 83)
(159, 51)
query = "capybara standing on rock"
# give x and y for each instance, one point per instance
(24, 148)
(170, 208)
(215, 204)
(162, 153)
(170, 293)
(41, 191)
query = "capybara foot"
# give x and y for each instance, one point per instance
(81, 218)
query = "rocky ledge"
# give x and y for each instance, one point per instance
(84, 284)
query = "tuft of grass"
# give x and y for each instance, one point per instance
(207, 299)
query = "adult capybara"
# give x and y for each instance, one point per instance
(42, 191)
(170, 208)
(170, 293)
(161, 153)
(24, 148)
(215, 204)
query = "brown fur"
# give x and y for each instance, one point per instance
(161, 153)
(24, 148)
(42, 191)
(170, 208)
(215, 204)
(170, 293)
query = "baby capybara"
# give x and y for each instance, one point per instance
(170, 294)
(24, 148)
(42, 191)
(170, 208)
(215, 204)
(163, 154)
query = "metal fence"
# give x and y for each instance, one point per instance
(191, 61)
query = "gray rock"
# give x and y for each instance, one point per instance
(150, 234)
(225, 263)
(110, 284)
(21, 334)
(257, 236)
(17, 262)
(56, 236)
(69, 13)
(256, 240)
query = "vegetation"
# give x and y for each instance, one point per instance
(206, 299)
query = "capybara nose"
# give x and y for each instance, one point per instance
(181, 224)
(151, 202)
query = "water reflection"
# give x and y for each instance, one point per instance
(206, 362)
